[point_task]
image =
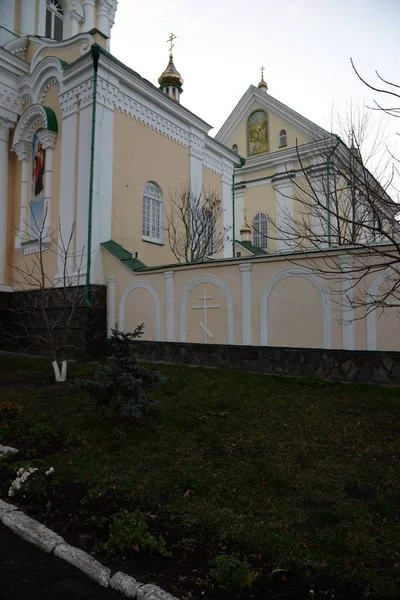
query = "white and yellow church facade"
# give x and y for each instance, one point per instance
(90, 148)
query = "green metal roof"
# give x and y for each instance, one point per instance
(123, 255)
(51, 119)
(249, 246)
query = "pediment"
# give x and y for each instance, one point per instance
(254, 99)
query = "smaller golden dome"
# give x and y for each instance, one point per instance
(170, 75)
(262, 85)
(245, 228)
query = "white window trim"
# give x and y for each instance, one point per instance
(148, 238)
(281, 136)
(54, 13)
(258, 233)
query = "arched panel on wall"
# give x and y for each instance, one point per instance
(144, 286)
(211, 279)
(372, 316)
(325, 302)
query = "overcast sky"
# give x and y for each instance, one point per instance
(305, 47)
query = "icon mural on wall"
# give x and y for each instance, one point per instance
(257, 133)
(37, 196)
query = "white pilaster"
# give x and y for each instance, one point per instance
(239, 212)
(27, 13)
(68, 189)
(245, 271)
(82, 210)
(111, 304)
(348, 333)
(7, 15)
(42, 18)
(284, 209)
(227, 206)
(103, 24)
(169, 296)
(48, 140)
(5, 126)
(196, 151)
(88, 10)
(23, 151)
(102, 188)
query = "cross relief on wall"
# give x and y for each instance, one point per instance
(205, 307)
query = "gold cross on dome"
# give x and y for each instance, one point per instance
(262, 72)
(171, 38)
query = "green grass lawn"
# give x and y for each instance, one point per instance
(301, 472)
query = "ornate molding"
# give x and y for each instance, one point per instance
(10, 99)
(84, 39)
(22, 150)
(212, 164)
(227, 172)
(196, 146)
(47, 138)
(34, 117)
(5, 126)
(78, 97)
(51, 83)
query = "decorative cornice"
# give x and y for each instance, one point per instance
(77, 97)
(10, 99)
(196, 146)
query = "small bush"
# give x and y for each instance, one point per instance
(122, 385)
(231, 572)
(129, 531)
(9, 413)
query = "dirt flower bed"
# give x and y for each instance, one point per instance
(295, 481)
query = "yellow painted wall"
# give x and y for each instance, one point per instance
(262, 199)
(275, 125)
(142, 155)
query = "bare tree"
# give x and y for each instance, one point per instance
(44, 310)
(344, 206)
(194, 224)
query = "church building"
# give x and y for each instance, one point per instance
(91, 153)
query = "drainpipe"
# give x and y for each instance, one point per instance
(238, 166)
(95, 49)
(328, 199)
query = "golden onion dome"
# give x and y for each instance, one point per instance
(262, 85)
(170, 75)
(245, 228)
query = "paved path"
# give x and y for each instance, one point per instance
(27, 572)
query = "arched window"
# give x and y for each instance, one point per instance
(260, 230)
(235, 148)
(54, 20)
(152, 224)
(282, 138)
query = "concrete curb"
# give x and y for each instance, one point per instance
(34, 532)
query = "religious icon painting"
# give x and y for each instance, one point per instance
(37, 186)
(257, 133)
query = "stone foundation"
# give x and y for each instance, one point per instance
(22, 327)
(345, 365)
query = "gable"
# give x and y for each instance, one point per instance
(278, 117)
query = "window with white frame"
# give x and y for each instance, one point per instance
(282, 138)
(260, 230)
(54, 20)
(152, 224)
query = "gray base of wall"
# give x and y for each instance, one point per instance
(345, 365)
(22, 328)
